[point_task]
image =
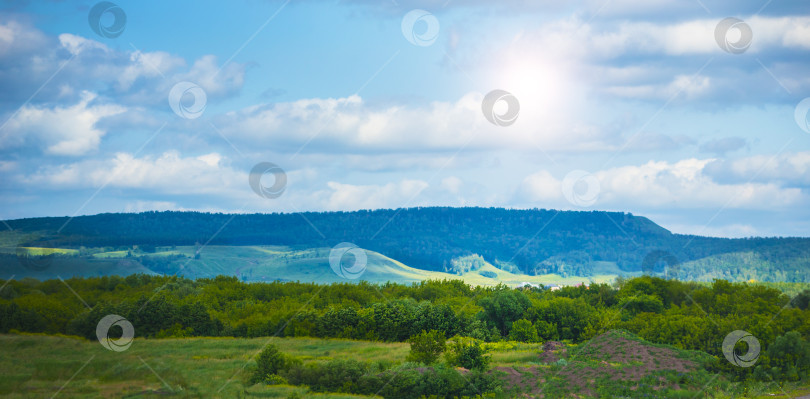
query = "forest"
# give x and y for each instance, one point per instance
(535, 241)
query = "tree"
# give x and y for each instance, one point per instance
(503, 307)
(787, 358)
(571, 316)
(546, 331)
(270, 362)
(427, 346)
(642, 303)
(523, 331)
(467, 353)
(801, 300)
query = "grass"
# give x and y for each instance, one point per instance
(38, 251)
(263, 263)
(36, 366)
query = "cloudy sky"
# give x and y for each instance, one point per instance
(663, 108)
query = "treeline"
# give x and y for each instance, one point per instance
(536, 241)
(686, 315)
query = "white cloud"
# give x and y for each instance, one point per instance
(217, 83)
(735, 230)
(135, 78)
(78, 44)
(693, 36)
(148, 65)
(684, 184)
(452, 184)
(663, 185)
(69, 130)
(350, 126)
(541, 187)
(792, 169)
(16, 38)
(686, 86)
(143, 206)
(167, 173)
(349, 123)
(392, 195)
(639, 59)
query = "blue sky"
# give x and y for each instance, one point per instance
(622, 107)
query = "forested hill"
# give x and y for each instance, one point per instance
(535, 241)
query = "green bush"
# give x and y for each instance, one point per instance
(467, 353)
(270, 363)
(332, 376)
(427, 346)
(488, 274)
(414, 381)
(523, 331)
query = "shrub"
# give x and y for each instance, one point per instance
(467, 353)
(488, 274)
(275, 379)
(427, 346)
(270, 363)
(413, 381)
(332, 376)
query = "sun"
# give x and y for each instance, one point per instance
(539, 85)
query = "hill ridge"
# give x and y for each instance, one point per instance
(532, 241)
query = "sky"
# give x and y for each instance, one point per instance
(689, 112)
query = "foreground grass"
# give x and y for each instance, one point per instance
(39, 366)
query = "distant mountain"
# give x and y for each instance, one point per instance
(531, 242)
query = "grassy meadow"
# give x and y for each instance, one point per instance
(267, 263)
(36, 366)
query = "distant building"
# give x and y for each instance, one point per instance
(553, 287)
(528, 284)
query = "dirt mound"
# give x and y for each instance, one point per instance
(613, 358)
(525, 379)
(622, 358)
(553, 351)
(619, 347)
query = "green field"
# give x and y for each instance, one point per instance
(267, 263)
(36, 366)
(271, 263)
